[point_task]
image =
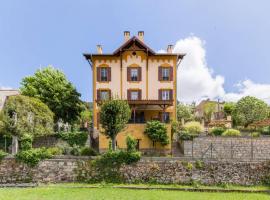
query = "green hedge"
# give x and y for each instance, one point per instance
(231, 132)
(75, 137)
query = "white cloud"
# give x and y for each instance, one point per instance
(248, 87)
(196, 80)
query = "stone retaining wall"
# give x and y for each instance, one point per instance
(238, 148)
(159, 170)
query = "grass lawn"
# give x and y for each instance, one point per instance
(62, 192)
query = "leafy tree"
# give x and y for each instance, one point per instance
(52, 87)
(228, 108)
(22, 114)
(114, 114)
(184, 112)
(208, 110)
(157, 132)
(249, 109)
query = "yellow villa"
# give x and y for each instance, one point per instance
(146, 79)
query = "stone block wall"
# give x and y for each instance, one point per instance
(158, 170)
(238, 148)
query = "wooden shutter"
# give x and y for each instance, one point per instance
(128, 95)
(160, 94)
(140, 94)
(171, 73)
(98, 95)
(139, 74)
(98, 74)
(171, 94)
(110, 94)
(160, 73)
(128, 74)
(109, 74)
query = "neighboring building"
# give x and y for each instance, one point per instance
(6, 93)
(147, 79)
(218, 112)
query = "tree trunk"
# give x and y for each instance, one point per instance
(113, 144)
(15, 145)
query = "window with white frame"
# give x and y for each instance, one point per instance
(134, 95)
(165, 74)
(165, 95)
(104, 74)
(134, 74)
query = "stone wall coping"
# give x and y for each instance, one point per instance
(233, 137)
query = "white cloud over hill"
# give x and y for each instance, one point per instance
(196, 80)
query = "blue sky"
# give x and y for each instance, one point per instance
(234, 36)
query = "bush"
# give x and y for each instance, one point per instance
(184, 135)
(131, 144)
(265, 130)
(231, 132)
(157, 132)
(255, 134)
(193, 128)
(217, 131)
(87, 151)
(26, 142)
(2, 155)
(55, 151)
(76, 150)
(75, 137)
(32, 157)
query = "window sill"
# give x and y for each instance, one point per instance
(165, 81)
(103, 81)
(134, 81)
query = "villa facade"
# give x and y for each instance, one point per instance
(146, 79)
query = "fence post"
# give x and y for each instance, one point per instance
(251, 148)
(192, 149)
(211, 149)
(231, 150)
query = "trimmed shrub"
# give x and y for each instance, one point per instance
(157, 132)
(131, 144)
(32, 157)
(255, 134)
(231, 132)
(87, 151)
(55, 151)
(193, 128)
(75, 137)
(2, 155)
(265, 130)
(217, 131)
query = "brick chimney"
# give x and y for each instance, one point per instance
(141, 35)
(99, 49)
(126, 35)
(170, 48)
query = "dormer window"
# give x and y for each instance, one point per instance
(134, 74)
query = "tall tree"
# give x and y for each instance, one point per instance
(52, 87)
(114, 115)
(208, 110)
(184, 112)
(228, 108)
(248, 110)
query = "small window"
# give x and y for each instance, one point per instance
(134, 74)
(166, 117)
(104, 95)
(134, 95)
(104, 74)
(165, 95)
(165, 74)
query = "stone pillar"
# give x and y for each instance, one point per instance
(15, 145)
